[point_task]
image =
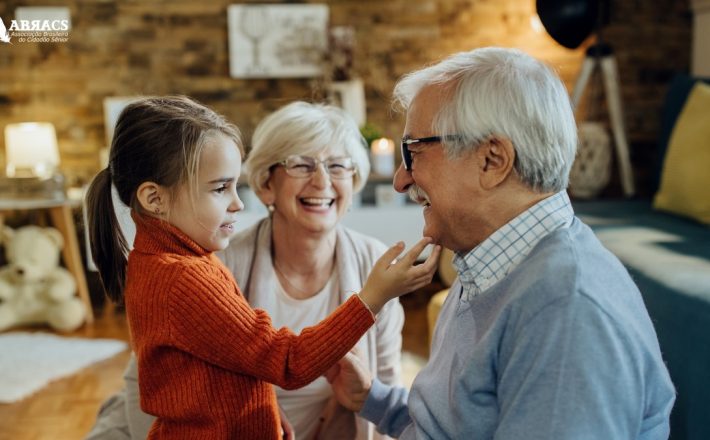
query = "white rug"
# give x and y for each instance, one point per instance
(29, 361)
(643, 249)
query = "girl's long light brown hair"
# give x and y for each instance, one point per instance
(157, 139)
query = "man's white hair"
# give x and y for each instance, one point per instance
(502, 92)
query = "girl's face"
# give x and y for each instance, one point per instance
(314, 204)
(209, 218)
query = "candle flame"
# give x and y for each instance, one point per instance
(383, 146)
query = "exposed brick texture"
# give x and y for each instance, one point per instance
(158, 47)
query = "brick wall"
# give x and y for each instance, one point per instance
(158, 47)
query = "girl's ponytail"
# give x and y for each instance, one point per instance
(108, 245)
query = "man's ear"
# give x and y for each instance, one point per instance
(153, 198)
(496, 158)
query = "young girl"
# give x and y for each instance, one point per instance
(205, 358)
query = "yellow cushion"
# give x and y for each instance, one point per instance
(686, 169)
(447, 272)
(433, 310)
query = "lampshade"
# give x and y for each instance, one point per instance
(31, 149)
(569, 22)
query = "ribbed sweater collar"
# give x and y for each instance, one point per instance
(156, 236)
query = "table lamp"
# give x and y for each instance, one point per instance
(31, 150)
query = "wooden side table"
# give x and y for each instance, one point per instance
(61, 218)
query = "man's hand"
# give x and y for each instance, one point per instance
(351, 382)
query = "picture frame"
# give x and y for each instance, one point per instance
(277, 41)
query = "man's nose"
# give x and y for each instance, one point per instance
(402, 179)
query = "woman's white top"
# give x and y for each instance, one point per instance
(304, 406)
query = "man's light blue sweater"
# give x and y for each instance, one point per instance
(561, 348)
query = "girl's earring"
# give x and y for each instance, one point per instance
(157, 211)
(271, 208)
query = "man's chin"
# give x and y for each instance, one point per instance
(431, 233)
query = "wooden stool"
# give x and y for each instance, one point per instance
(61, 218)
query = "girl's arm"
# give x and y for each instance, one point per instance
(210, 319)
(215, 323)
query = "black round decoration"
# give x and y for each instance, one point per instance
(569, 22)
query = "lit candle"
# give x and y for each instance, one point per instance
(382, 156)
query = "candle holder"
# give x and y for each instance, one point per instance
(382, 156)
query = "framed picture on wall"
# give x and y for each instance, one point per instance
(277, 41)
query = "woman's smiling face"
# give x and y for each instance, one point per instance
(314, 204)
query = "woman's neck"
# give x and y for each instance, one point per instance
(302, 261)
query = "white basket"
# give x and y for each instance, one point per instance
(591, 170)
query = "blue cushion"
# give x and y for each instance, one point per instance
(677, 93)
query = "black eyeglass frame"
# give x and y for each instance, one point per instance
(406, 142)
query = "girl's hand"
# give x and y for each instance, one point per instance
(390, 278)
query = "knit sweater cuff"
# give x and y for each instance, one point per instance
(374, 317)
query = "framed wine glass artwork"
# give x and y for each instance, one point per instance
(277, 41)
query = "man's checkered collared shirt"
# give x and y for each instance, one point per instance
(497, 255)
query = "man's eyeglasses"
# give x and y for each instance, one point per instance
(305, 166)
(406, 142)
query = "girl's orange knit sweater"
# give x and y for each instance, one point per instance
(205, 358)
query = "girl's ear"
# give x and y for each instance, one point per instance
(153, 198)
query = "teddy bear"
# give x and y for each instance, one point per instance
(34, 289)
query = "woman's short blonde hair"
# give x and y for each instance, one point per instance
(301, 128)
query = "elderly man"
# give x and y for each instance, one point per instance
(544, 335)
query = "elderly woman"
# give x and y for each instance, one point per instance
(299, 264)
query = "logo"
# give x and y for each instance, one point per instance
(4, 34)
(35, 31)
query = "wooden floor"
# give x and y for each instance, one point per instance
(66, 409)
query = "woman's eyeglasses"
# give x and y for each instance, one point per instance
(305, 166)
